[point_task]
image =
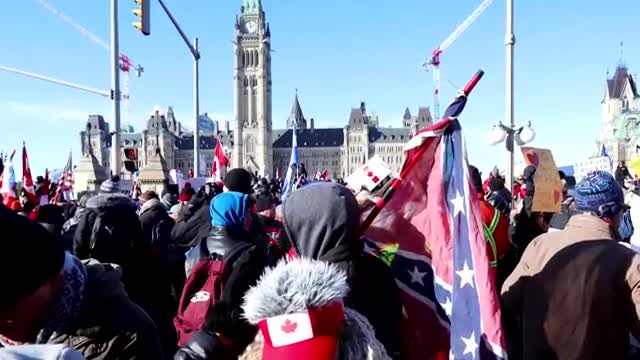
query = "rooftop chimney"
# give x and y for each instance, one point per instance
(226, 126)
(311, 121)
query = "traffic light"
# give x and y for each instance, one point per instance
(130, 159)
(143, 12)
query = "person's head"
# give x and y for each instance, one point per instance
(186, 194)
(265, 206)
(238, 180)
(50, 216)
(476, 179)
(320, 218)
(598, 193)
(30, 286)
(147, 196)
(496, 184)
(230, 210)
(110, 186)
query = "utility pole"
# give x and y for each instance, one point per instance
(196, 87)
(510, 41)
(115, 90)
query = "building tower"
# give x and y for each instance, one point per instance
(252, 90)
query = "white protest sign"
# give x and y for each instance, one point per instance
(373, 173)
(583, 168)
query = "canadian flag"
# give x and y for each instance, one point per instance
(220, 161)
(27, 179)
(8, 188)
(44, 190)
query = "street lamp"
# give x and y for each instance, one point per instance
(511, 136)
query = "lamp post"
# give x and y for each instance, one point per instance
(511, 136)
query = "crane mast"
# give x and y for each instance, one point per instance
(434, 60)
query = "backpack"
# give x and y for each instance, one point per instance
(114, 234)
(202, 290)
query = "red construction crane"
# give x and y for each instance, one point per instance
(434, 60)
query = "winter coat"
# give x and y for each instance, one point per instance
(41, 352)
(192, 225)
(574, 295)
(502, 240)
(110, 325)
(327, 231)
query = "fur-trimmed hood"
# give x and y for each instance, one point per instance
(103, 201)
(293, 287)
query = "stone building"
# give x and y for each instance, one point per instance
(621, 115)
(252, 143)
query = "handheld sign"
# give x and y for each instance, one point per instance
(548, 186)
(370, 175)
(585, 167)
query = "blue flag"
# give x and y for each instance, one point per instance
(290, 178)
(604, 151)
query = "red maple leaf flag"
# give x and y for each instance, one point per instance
(27, 179)
(220, 161)
(44, 190)
(289, 326)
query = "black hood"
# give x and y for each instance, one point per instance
(321, 221)
(110, 201)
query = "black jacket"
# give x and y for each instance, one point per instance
(246, 261)
(193, 224)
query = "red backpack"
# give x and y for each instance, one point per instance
(203, 288)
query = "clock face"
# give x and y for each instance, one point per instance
(252, 27)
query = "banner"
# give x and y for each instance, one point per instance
(581, 169)
(548, 186)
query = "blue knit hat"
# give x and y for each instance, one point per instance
(229, 210)
(599, 192)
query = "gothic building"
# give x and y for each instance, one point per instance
(621, 115)
(252, 143)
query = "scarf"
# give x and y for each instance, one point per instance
(67, 304)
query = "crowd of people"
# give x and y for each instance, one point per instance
(209, 273)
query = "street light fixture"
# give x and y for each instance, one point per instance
(511, 136)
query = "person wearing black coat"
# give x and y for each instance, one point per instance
(194, 222)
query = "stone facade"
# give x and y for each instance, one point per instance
(253, 143)
(621, 116)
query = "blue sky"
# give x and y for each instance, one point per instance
(336, 53)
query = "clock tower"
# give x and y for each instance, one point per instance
(252, 90)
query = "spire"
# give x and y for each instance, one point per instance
(251, 7)
(407, 114)
(296, 117)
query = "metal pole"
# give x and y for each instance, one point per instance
(115, 87)
(196, 111)
(192, 48)
(56, 81)
(509, 113)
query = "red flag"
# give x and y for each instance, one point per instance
(65, 184)
(44, 190)
(27, 179)
(220, 160)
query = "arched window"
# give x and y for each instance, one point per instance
(246, 82)
(243, 59)
(625, 104)
(250, 146)
(257, 58)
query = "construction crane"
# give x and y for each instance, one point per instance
(434, 60)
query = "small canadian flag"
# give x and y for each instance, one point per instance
(290, 329)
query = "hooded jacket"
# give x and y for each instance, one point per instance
(321, 221)
(193, 223)
(285, 290)
(110, 325)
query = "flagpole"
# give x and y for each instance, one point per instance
(407, 167)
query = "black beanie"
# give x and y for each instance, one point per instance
(30, 256)
(476, 179)
(239, 180)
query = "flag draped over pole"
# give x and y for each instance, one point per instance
(27, 179)
(290, 178)
(65, 184)
(430, 233)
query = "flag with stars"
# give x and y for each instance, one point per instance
(430, 233)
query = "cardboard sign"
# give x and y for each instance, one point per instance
(583, 168)
(548, 192)
(634, 166)
(370, 175)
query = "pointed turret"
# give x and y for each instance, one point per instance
(407, 114)
(296, 118)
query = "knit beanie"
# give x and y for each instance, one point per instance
(24, 237)
(476, 178)
(186, 194)
(598, 192)
(147, 195)
(110, 186)
(239, 180)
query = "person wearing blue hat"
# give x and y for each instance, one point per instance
(575, 292)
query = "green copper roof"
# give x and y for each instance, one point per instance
(626, 126)
(250, 7)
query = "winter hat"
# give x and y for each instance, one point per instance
(263, 202)
(48, 214)
(476, 178)
(598, 192)
(496, 183)
(23, 236)
(229, 210)
(239, 180)
(147, 195)
(300, 324)
(110, 186)
(186, 194)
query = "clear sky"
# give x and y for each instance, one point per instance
(336, 53)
